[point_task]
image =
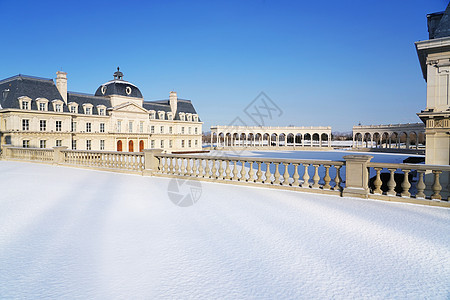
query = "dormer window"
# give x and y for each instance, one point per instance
(101, 109)
(169, 116)
(73, 107)
(161, 115)
(87, 108)
(57, 105)
(42, 104)
(25, 102)
(152, 115)
(195, 118)
(189, 117)
(182, 116)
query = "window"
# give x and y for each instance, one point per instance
(162, 143)
(58, 107)
(42, 143)
(26, 143)
(182, 143)
(25, 104)
(42, 125)
(25, 124)
(189, 130)
(73, 109)
(58, 143)
(182, 130)
(58, 125)
(88, 127)
(74, 126)
(152, 143)
(88, 110)
(196, 143)
(170, 129)
(102, 127)
(141, 127)
(169, 116)
(196, 130)
(42, 106)
(152, 129)
(119, 126)
(170, 143)
(162, 129)
(152, 115)
(130, 126)
(101, 111)
(189, 144)
(74, 144)
(88, 144)
(102, 144)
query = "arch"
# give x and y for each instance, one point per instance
(298, 139)
(273, 139)
(266, 139)
(290, 139)
(385, 138)
(130, 146)
(250, 139)
(324, 139)
(141, 145)
(403, 139)
(228, 139)
(376, 140)
(242, 139)
(119, 145)
(282, 139)
(258, 139)
(235, 138)
(315, 139)
(308, 137)
(367, 138)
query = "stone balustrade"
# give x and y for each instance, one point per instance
(354, 176)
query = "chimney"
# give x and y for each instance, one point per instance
(61, 84)
(173, 103)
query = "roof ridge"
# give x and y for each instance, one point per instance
(27, 77)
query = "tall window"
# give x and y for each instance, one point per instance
(74, 144)
(162, 143)
(102, 127)
(162, 129)
(189, 144)
(24, 104)
(119, 126)
(41, 106)
(25, 124)
(88, 144)
(42, 143)
(182, 130)
(170, 143)
(58, 107)
(58, 143)
(152, 129)
(58, 125)
(196, 143)
(130, 126)
(26, 143)
(141, 127)
(102, 144)
(189, 130)
(42, 125)
(182, 143)
(88, 111)
(152, 143)
(101, 112)
(74, 126)
(170, 129)
(88, 127)
(196, 130)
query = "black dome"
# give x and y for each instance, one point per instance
(118, 87)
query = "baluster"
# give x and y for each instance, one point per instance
(296, 176)
(251, 173)
(227, 170)
(391, 183)
(259, 173)
(306, 176)
(207, 169)
(200, 168)
(267, 174)
(242, 171)
(214, 169)
(188, 167)
(184, 166)
(420, 186)
(166, 165)
(221, 175)
(286, 174)
(235, 171)
(194, 167)
(405, 184)
(337, 179)
(277, 174)
(378, 182)
(436, 186)
(316, 177)
(327, 178)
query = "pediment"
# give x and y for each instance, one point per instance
(129, 107)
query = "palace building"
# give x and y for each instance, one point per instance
(37, 113)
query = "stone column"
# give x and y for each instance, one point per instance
(151, 162)
(58, 156)
(356, 176)
(6, 152)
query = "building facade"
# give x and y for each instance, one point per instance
(36, 112)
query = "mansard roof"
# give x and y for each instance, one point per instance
(439, 24)
(81, 99)
(183, 105)
(34, 87)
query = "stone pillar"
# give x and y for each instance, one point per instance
(58, 156)
(151, 162)
(6, 152)
(356, 176)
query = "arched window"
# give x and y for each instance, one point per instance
(130, 146)
(119, 146)
(141, 146)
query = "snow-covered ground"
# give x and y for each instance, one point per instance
(73, 233)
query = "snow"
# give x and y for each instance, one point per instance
(74, 233)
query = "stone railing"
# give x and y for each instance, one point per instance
(354, 176)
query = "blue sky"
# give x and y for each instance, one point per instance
(332, 63)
